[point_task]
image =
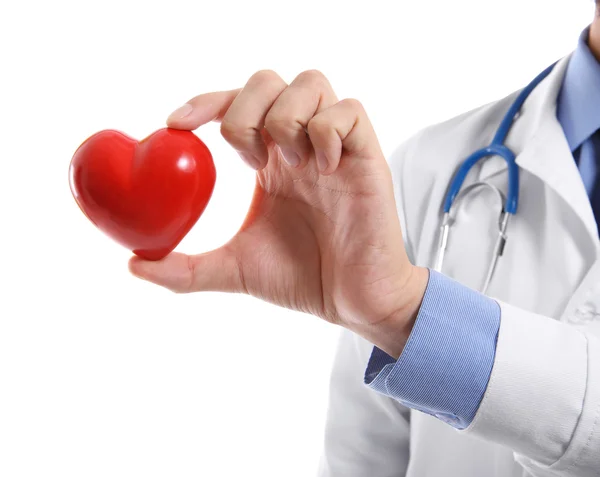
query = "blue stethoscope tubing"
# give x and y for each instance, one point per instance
(510, 204)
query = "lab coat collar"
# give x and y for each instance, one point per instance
(542, 149)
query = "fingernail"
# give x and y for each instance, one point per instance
(321, 160)
(290, 157)
(251, 160)
(181, 112)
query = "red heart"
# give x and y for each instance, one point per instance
(146, 195)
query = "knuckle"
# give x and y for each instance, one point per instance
(191, 265)
(280, 125)
(317, 124)
(353, 104)
(232, 131)
(264, 76)
(312, 76)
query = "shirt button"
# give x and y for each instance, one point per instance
(584, 314)
(447, 418)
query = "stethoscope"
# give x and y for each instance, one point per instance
(509, 204)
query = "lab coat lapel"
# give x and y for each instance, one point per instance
(542, 149)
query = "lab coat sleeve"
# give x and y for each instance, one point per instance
(366, 433)
(543, 397)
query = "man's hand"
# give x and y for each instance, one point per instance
(322, 235)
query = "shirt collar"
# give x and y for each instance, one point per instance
(578, 104)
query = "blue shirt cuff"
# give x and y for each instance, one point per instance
(446, 363)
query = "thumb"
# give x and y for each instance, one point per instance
(217, 270)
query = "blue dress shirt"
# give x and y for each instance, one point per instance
(578, 108)
(446, 363)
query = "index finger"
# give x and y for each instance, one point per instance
(202, 109)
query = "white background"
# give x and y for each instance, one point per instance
(102, 374)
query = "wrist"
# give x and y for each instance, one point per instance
(391, 334)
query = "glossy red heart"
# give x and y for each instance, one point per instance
(146, 195)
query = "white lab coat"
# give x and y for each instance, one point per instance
(540, 414)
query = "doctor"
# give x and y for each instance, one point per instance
(432, 378)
